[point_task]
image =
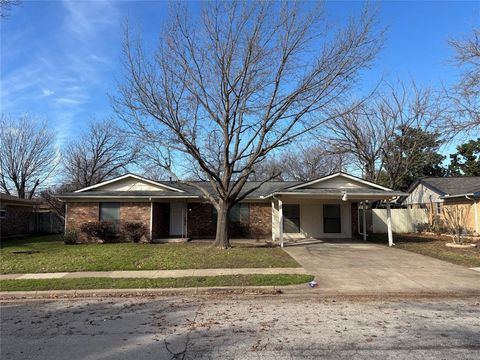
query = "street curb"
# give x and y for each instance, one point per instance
(138, 292)
(301, 291)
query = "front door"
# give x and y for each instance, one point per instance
(177, 219)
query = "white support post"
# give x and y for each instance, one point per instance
(364, 220)
(151, 220)
(273, 220)
(389, 224)
(476, 216)
(280, 221)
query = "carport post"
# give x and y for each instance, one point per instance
(280, 221)
(364, 220)
(389, 224)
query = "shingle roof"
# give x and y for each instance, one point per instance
(452, 185)
(189, 191)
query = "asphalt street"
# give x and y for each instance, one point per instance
(240, 327)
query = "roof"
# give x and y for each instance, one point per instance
(265, 190)
(450, 186)
(340, 174)
(10, 199)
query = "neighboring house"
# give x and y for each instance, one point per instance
(434, 193)
(326, 207)
(20, 217)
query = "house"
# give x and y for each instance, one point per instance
(435, 193)
(20, 217)
(323, 208)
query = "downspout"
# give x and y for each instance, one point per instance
(476, 213)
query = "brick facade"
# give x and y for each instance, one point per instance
(79, 213)
(202, 223)
(200, 220)
(260, 220)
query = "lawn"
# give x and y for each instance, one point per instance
(140, 283)
(433, 246)
(49, 254)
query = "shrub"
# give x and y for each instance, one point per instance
(70, 237)
(134, 231)
(423, 227)
(99, 230)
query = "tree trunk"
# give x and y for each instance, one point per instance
(222, 239)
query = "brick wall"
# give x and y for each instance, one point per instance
(202, 224)
(260, 220)
(83, 212)
(199, 220)
(79, 213)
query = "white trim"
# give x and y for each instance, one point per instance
(389, 225)
(280, 221)
(151, 220)
(131, 176)
(350, 177)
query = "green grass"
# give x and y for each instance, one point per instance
(49, 254)
(433, 246)
(196, 281)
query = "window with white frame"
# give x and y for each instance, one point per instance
(438, 208)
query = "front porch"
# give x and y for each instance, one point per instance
(317, 219)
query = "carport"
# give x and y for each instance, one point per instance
(327, 208)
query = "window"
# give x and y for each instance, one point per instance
(332, 219)
(110, 212)
(291, 218)
(3, 213)
(438, 208)
(239, 213)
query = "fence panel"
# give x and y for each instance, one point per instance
(403, 220)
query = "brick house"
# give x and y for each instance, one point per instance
(20, 217)
(326, 207)
(437, 193)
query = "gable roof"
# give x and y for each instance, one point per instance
(126, 176)
(339, 174)
(265, 190)
(449, 185)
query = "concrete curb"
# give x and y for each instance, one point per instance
(301, 291)
(5, 295)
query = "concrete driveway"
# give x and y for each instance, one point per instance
(354, 266)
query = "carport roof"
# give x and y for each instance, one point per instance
(362, 193)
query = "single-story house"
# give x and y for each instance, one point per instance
(434, 193)
(20, 217)
(323, 208)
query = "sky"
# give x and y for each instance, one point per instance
(60, 60)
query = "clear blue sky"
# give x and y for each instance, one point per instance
(61, 59)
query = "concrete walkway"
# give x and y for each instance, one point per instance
(361, 267)
(155, 274)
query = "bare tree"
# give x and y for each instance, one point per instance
(27, 155)
(303, 163)
(456, 220)
(375, 133)
(100, 153)
(466, 94)
(246, 78)
(6, 6)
